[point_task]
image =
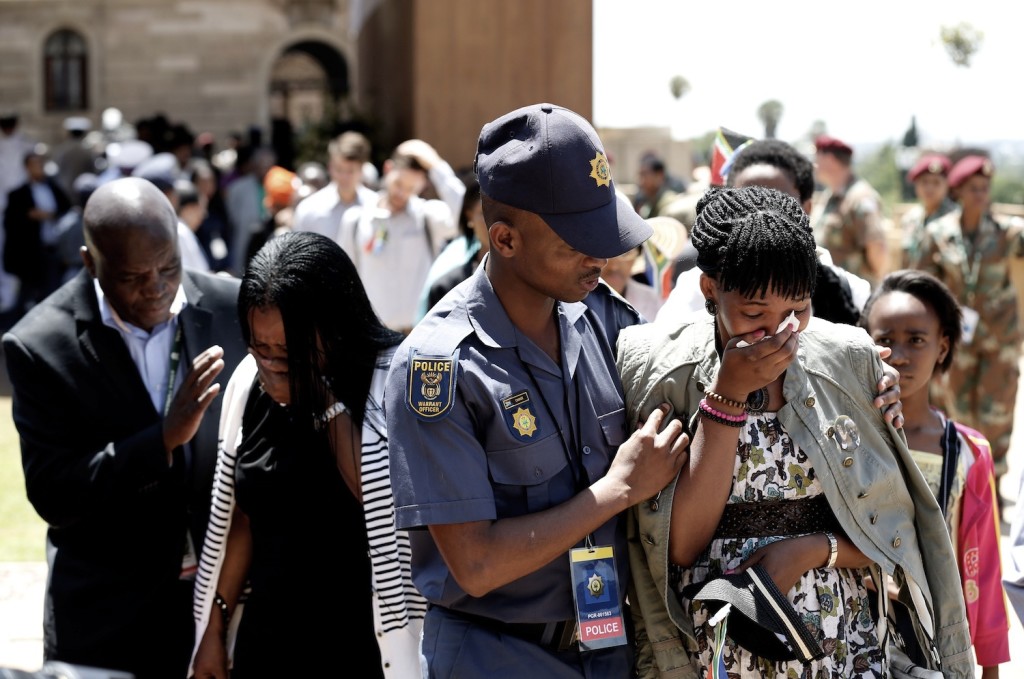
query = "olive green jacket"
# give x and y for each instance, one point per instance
(874, 488)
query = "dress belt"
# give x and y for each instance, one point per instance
(777, 518)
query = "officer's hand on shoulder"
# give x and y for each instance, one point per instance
(652, 456)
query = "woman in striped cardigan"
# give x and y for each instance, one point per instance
(302, 533)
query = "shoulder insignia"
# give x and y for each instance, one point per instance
(431, 385)
(519, 416)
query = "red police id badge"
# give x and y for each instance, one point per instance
(431, 385)
(596, 591)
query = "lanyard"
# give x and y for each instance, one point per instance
(973, 270)
(173, 370)
(579, 472)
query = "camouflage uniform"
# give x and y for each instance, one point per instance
(912, 227)
(845, 223)
(980, 388)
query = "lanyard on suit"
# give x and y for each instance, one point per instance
(173, 369)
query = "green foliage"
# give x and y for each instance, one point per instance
(678, 86)
(881, 172)
(961, 42)
(769, 113)
(22, 532)
(311, 141)
(1008, 186)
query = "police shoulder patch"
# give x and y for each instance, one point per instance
(431, 385)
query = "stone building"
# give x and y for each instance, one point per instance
(433, 69)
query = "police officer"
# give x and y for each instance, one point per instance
(972, 251)
(506, 422)
(847, 215)
(931, 186)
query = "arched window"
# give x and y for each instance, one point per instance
(64, 71)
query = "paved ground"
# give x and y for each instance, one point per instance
(22, 585)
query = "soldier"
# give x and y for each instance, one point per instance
(930, 178)
(847, 217)
(970, 251)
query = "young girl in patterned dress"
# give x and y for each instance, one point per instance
(916, 316)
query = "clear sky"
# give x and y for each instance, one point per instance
(864, 68)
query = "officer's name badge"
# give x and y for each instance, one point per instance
(518, 415)
(431, 385)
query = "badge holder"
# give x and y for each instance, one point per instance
(596, 592)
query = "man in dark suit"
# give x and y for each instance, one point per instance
(116, 406)
(30, 226)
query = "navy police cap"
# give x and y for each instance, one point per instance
(548, 160)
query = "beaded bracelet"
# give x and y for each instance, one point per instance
(720, 417)
(724, 401)
(724, 415)
(337, 408)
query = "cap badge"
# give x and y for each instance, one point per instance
(599, 170)
(986, 168)
(935, 167)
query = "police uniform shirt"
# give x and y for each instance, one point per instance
(497, 451)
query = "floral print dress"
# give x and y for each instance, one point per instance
(833, 603)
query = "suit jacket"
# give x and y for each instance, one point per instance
(23, 247)
(96, 472)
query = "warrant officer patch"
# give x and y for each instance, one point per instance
(431, 385)
(518, 415)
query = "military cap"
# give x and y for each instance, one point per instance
(825, 143)
(967, 167)
(932, 163)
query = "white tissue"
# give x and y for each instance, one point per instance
(790, 320)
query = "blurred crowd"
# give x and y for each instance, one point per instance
(418, 216)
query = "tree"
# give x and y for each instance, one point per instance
(910, 137)
(879, 169)
(678, 86)
(961, 42)
(769, 113)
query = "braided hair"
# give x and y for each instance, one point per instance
(755, 240)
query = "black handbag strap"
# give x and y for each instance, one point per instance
(950, 462)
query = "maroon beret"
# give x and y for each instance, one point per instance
(932, 163)
(967, 167)
(831, 144)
